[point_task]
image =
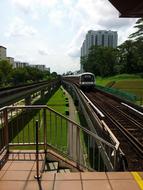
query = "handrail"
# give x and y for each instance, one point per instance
(74, 123)
(91, 123)
(117, 143)
(80, 141)
(37, 176)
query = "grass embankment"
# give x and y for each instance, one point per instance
(132, 84)
(57, 132)
(56, 126)
(58, 102)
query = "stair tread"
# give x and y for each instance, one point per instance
(53, 165)
(64, 171)
(67, 170)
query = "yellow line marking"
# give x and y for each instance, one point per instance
(138, 179)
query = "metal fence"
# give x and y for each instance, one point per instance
(17, 131)
(130, 96)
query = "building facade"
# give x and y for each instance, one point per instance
(48, 69)
(11, 60)
(19, 64)
(40, 67)
(2, 53)
(102, 38)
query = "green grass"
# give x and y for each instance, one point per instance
(56, 126)
(116, 78)
(58, 102)
(130, 84)
(57, 133)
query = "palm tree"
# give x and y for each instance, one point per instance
(138, 35)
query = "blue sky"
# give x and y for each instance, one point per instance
(51, 32)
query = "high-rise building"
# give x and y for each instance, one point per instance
(102, 38)
(2, 53)
(40, 67)
(47, 69)
(19, 64)
(11, 60)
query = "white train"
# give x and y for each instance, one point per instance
(87, 80)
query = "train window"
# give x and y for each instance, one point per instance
(87, 78)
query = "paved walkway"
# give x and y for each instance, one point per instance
(72, 108)
(72, 133)
(19, 175)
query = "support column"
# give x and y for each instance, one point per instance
(42, 94)
(28, 100)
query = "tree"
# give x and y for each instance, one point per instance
(19, 76)
(5, 72)
(126, 51)
(46, 75)
(15, 76)
(34, 74)
(126, 58)
(69, 73)
(138, 35)
(54, 74)
(101, 61)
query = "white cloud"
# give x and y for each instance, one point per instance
(74, 46)
(74, 52)
(25, 6)
(34, 7)
(43, 52)
(22, 57)
(67, 2)
(61, 26)
(51, 9)
(56, 17)
(96, 15)
(18, 27)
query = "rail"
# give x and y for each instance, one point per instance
(11, 95)
(126, 127)
(104, 125)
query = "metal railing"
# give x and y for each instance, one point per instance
(37, 176)
(93, 123)
(74, 142)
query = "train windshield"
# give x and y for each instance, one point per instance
(87, 78)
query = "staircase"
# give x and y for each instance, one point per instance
(56, 163)
(54, 167)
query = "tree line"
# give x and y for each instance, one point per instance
(126, 58)
(10, 76)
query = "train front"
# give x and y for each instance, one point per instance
(87, 81)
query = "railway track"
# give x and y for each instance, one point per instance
(125, 124)
(125, 121)
(126, 109)
(11, 95)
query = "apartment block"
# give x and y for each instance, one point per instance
(100, 38)
(19, 64)
(11, 60)
(40, 67)
(2, 53)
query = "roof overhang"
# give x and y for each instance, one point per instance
(129, 8)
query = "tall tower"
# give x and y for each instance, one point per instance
(102, 38)
(2, 53)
